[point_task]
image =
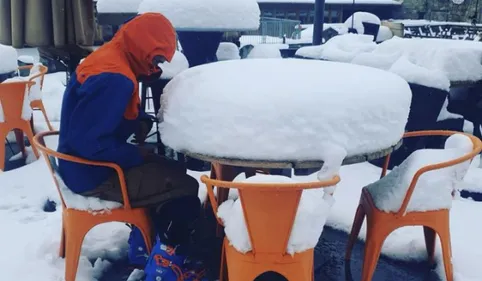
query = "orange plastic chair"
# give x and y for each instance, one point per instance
(269, 237)
(77, 223)
(12, 98)
(38, 78)
(380, 224)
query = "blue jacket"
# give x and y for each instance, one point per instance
(93, 127)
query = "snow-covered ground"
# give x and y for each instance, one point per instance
(30, 236)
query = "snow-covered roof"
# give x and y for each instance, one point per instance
(348, 2)
(131, 6)
(283, 109)
(196, 15)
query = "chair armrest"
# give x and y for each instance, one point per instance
(120, 173)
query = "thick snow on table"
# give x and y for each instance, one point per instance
(8, 59)
(118, 6)
(178, 64)
(206, 14)
(428, 62)
(283, 109)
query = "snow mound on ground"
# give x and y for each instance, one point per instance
(264, 51)
(227, 51)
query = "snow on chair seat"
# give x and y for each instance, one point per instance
(310, 217)
(84, 203)
(433, 190)
(417, 193)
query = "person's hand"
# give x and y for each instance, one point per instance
(142, 131)
(146, 151)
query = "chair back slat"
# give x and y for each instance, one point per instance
(269, 217)
(12, 97)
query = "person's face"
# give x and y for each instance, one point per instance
(155, 70)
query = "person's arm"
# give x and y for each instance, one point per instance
(104, 99)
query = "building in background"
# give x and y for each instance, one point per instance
(336, 11)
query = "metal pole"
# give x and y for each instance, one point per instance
(319, 20)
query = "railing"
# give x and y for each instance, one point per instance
(273, 30)
(455, 31)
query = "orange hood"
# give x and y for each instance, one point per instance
(131, 53)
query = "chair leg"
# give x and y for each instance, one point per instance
(444, 235)
(19, 137)
(2, 152)
(74, 234)
(10, 146)
(223, 265)
(373, 247)
(355, 230)
(44, 112)
(32, 124)
(28, 131)
(429, 234)
(62, 243)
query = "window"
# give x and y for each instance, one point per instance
(326, 15)
(304, 18)
(268, 14)
(292, 15)
(311, 17)
(335, 16)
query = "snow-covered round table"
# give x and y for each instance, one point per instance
(283, 113)
(283, 110)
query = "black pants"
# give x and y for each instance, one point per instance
(175, 222)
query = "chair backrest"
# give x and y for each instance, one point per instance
(476, 149)
(269, 210)
(52, 163)
(52, 156)
(37, 74)
(14, 101)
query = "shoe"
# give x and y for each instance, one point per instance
(194, 271)
(137, 248)
(164, 264)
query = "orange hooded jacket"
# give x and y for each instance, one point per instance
(100, 107)
(131, 52)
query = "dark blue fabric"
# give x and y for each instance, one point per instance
(425, 108)
(199, 47)
(93, 127)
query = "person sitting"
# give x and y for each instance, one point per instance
(100, 111)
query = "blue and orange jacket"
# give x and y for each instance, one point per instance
(100, 108)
